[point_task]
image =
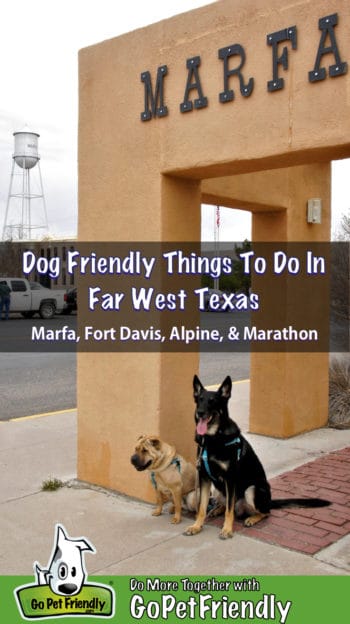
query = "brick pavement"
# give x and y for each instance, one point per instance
(301, 529)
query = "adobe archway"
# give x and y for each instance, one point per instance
(149, 154)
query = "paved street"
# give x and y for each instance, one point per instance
(39, 382)
(36, 383)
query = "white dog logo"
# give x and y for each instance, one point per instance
(65, 573)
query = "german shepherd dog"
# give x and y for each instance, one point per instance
(226, 459)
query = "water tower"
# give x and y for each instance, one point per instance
(25, 187)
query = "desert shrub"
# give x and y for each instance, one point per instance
(339, 393)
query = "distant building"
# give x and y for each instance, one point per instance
(11, 253)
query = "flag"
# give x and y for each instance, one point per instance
(217, 216)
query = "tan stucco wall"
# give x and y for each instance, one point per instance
(301, 123)
(124, 195)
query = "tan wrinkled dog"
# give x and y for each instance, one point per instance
(172, 476)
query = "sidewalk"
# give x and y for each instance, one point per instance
(129, 540)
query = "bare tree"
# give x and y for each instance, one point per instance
(10, 258)
(344, 230)
(340, 278)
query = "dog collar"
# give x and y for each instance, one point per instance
(235, 441)
(204, 456)
(153, 480)
(175, 461)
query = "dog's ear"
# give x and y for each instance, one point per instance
(197, 387)
(155, 442)
(225, 388)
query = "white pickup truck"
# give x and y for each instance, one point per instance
(30, 298)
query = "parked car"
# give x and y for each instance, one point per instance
(71, 301)
(29, 300)
(37, 286)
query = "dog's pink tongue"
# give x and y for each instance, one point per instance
(202, 426)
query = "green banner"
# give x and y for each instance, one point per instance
(127, 599)
(39, 601)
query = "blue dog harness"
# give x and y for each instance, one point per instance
(175, 461)
(204, 456)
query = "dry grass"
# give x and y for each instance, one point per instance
(51, 485)
(339, 394)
